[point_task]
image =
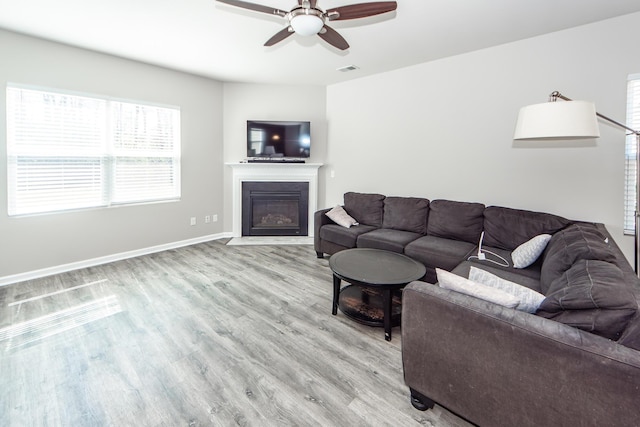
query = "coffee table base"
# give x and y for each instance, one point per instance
(366, 306)
(377, 271)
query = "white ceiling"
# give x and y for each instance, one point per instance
(223, 42)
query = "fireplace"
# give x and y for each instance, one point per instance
(272, 172)
(275, 208)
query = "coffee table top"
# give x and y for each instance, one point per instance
(375, 267)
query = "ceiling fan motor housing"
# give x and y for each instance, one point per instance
(306, 21)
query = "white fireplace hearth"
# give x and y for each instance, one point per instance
(272, 172)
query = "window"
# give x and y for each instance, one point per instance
(633, 121)
(257, 139)
(67, 151)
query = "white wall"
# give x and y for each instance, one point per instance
(444, 129)
(439, 130)
(34, 243)
(244, 102)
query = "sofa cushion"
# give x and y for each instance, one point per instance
(455, 220)
(576, 242)
(495, 257)
(435, 251)
(341, 217)
(406, 213)
(508, 228)
(386, 239)
(459, 284)
(343, 236)
(365, 208)
(511, 274)
(591, 295)
(529, 299)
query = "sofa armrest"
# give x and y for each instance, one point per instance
(498, 366)
(319, 219)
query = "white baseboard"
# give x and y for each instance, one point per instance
(36, 274)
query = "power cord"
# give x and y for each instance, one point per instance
(481, 257)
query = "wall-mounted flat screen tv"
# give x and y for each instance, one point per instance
(274, 139)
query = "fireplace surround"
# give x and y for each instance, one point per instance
(270, 172)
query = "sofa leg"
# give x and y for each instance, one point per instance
(421, 402)
(320, 254)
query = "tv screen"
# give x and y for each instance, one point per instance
(272, 139)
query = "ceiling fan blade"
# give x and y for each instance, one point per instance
(360, 10)
(279, 36)
(332, 37)
(256, 7)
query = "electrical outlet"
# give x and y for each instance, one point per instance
(193, 220)
(207, 219)
(215, 218)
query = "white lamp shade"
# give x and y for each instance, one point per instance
(306, 25)
(558, 120)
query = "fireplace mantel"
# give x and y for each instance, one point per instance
(274, 172)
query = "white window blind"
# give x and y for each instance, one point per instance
(633, 121)
(257, 137)
(71, 152)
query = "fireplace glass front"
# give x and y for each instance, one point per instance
(275, 208)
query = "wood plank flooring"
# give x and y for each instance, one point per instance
(204, 335)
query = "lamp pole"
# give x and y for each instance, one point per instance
(554, 97)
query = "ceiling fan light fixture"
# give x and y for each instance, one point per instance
(306, 22)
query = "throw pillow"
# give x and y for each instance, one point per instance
(456, 283)
(341, 217)
(528, 252)
(529, 299)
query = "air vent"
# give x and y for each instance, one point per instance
(347, 68)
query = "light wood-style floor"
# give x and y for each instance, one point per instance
(203, 335)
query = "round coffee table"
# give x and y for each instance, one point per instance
(373, 272)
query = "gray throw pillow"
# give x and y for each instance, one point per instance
(528, 252)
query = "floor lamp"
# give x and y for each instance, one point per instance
(573, 120)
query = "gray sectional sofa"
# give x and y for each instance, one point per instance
(575, 361)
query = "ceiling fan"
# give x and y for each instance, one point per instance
(306, 19)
